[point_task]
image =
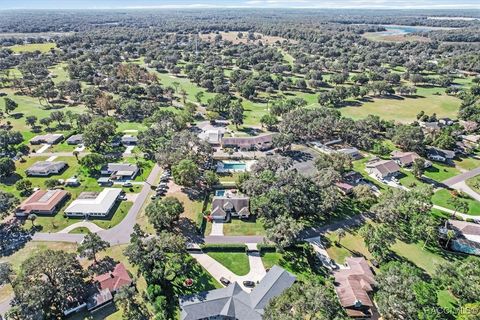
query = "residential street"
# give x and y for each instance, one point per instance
(461, 177)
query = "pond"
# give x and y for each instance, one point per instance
(393, 30)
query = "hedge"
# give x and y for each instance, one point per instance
(224, 247)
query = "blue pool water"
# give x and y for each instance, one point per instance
(234, 166)
(220, 193)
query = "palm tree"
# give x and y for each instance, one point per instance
(76, 153)
(341, 234)
(450, 235)
(32, 217)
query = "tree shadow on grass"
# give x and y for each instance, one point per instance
(102, 266)
(11, 180)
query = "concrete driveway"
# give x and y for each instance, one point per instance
(217, 270)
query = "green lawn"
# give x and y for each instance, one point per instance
(441, 198)
(440, 172)
(237, 262)
(31, 47)
(29, 106)
(425, 258)
(59, 221)
(405, 110)
(468, 163)
(298, 260)
(237, 227)
(474, 183)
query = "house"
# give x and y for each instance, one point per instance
(120, 171)
(344, 187)
(353, 286)
(106, 285)
(383, 169)
(51, 138)
(72, 182)
(430, 126)
(46, 168)
(352, 152)
(234, 303)
(213, 137)
(261, 143)
(94, 204)
(75, 139)
(467, 239)
(404, 159)
(471, 139)
(42, 202)
(353, 177)
(225, 207)
(129, 140)
(437, 154)
(469, 126)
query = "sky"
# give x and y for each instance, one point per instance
(120, 4)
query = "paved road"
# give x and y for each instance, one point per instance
(5, 305)
(461, 177)
(120, 234)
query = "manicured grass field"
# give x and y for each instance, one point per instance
(405, 110)
(239, 227)
(237, 262)
(29, 106)
(441, 198)
(31, 47)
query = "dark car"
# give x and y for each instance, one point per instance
(249, 284)
(224, 281)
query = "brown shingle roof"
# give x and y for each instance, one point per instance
(222, 204)
(385, 167)
(405, 158)
(354, 284)
(42, 201)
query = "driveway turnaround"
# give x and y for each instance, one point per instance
(217, 270)
(92, 227)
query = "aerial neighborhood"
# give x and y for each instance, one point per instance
(251, 160)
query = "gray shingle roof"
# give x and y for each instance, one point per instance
(235, 303)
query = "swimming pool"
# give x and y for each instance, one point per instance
(234, 166)
(220, 193)
(231, 166)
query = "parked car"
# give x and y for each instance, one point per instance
(127, 185)
(224, 281)
(249, 284)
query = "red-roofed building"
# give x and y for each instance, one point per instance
(107, 284)
(42, 202)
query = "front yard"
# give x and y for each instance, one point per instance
(442, 198)
(59, 222)
(237, 262)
